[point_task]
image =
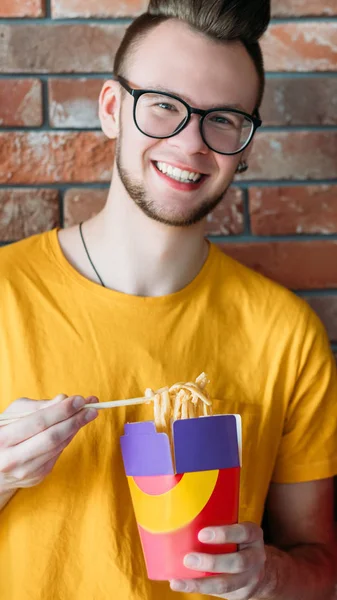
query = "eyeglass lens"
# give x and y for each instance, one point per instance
(158, 115)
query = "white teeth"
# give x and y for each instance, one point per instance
(178, 174)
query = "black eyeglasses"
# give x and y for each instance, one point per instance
(162, 115)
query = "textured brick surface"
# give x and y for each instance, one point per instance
(74, 102)
(303, 101)
(22, 8)
(20, 103)
(290, 210)
(227, 219)
(297, 265)
(24, 212)
(92, 8)
(297, 8)
(293, 155)
(301, 47)
(82, 204)
(89, 47)
(41, 157)
(326, 308)
(58, 48)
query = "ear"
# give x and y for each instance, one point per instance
(246, 153)
(244, 156)
(109, 108)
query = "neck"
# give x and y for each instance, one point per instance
(137, 255)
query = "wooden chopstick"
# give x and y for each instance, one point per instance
(6, 419)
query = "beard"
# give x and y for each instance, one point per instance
(138, 194)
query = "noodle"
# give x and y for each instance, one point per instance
(180, 401)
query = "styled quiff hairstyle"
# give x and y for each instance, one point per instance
(221, 20)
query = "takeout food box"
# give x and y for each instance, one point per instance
(174, 497)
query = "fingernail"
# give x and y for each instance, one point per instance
(78, 402)
(90, 414)
(192, 560)
(206, 535)
(179, 586)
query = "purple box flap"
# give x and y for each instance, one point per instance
(146, 452)
(144, 427)
(206, 443)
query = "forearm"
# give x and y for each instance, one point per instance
(305, 572)
(5, 497)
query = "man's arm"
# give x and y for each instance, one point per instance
(304, 562)
(300, 566)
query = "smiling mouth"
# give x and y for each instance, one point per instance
(180, 175)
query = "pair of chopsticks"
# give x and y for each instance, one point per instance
(5, 419)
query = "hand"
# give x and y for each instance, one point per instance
(30, 447)
(243, 571)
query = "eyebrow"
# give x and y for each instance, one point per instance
(159, 88)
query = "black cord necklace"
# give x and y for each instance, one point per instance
(88, 255)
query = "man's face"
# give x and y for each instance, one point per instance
(205, 74)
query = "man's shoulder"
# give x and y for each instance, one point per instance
(260, 305)
(23, 256)
(245, 281)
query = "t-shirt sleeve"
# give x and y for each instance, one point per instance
(308, 447)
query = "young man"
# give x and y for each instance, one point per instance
(137, 298)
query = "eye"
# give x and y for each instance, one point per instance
(166, 106)
(221, 120)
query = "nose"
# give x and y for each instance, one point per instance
(189, 140)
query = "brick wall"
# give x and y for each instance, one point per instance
(55, 164)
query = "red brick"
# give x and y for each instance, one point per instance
(74, 102)
(90, 47)
(20, 103)
(285, 8)
(25, 212)
(92, 8)
(82, 204)
(303, 101)
(326, 308)
(293, 155)
(22, 8)
(59, 48)
(290, 210)
(307, 46)
(297, 265)
(42, 157)
(227, 218)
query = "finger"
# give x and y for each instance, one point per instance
(40, 476)
(27, 405)
(40, 420)
(211, 585)
(92, 400)
(31, 467)
(241, 533)
(46, 441)
(236, 562)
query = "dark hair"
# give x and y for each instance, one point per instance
(221, 20)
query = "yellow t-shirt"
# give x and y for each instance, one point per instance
(74, 536)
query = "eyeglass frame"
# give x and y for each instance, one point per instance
(137, 93)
